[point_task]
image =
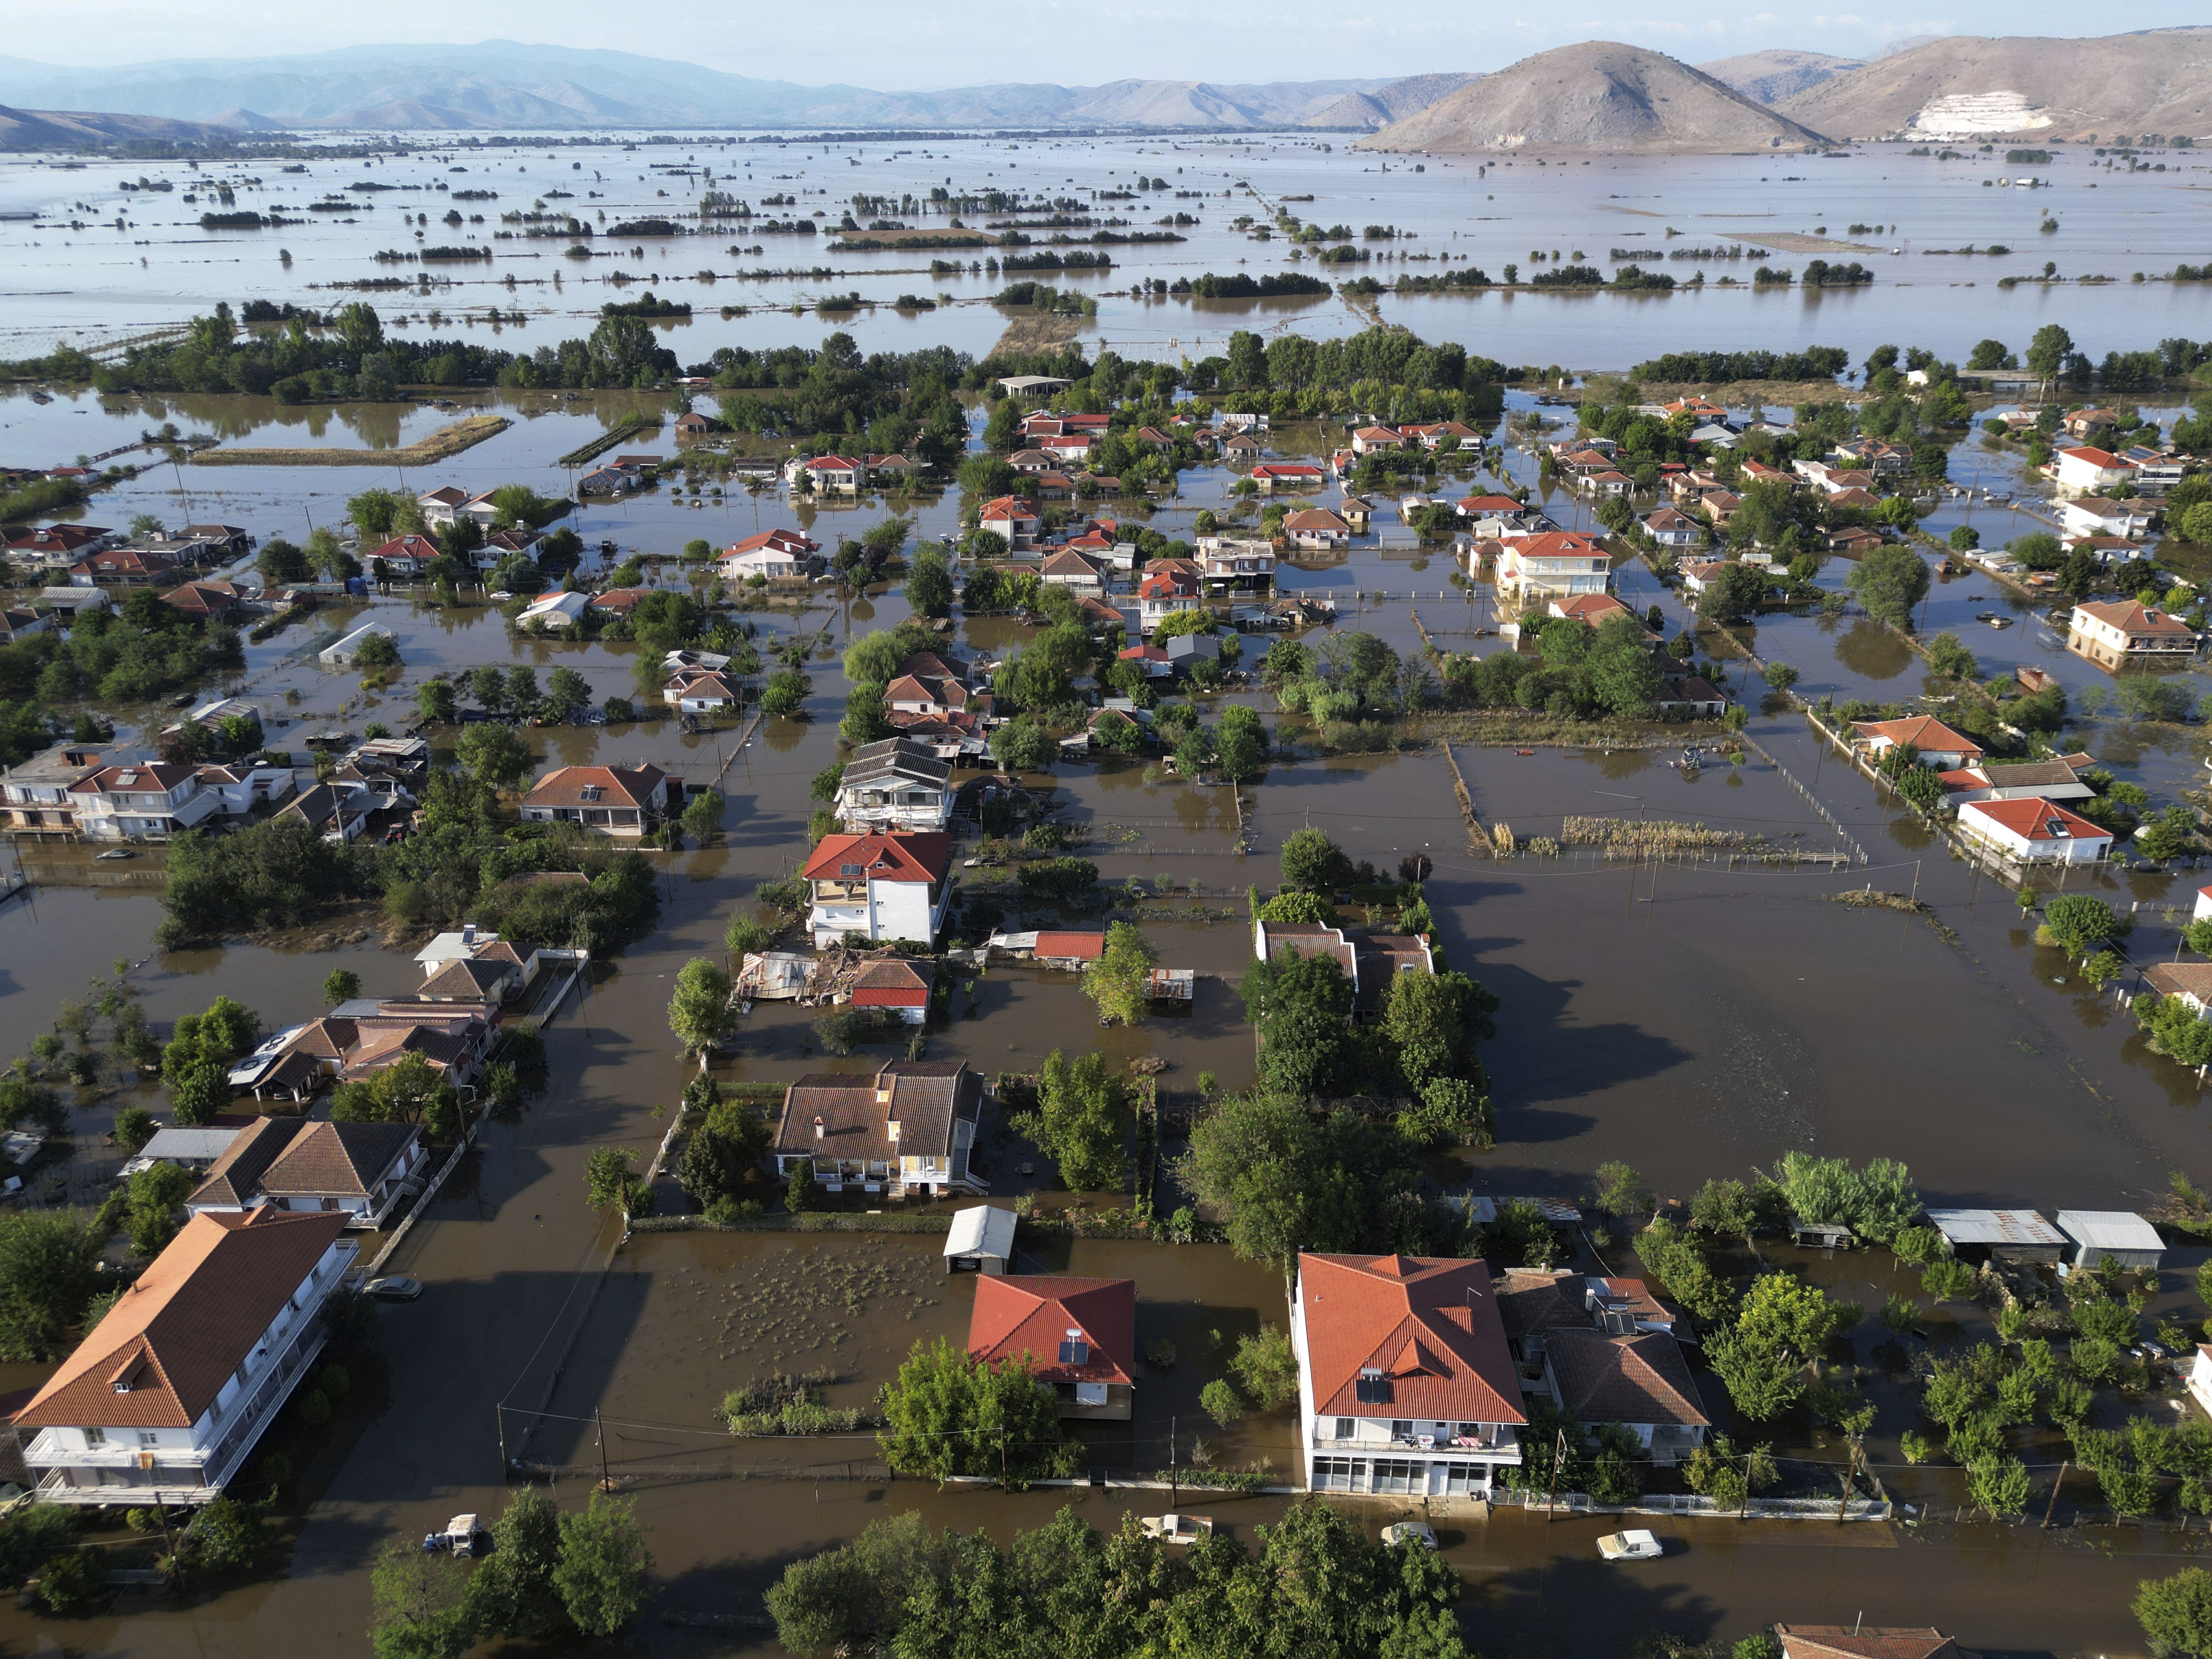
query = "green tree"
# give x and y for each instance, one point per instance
(2176, 1612)
(600, 1572)
(1021, 746)
(200, 1093)
(700, 1012)
(1241, 744)
(409, 1091)
(2078, 924)
(1267, 1368)
(609, 1177)
(2048, 350)
(157, 1193)
(1262, 1163)
(1120, 980)
(434, 703)
(47, 1276)
(948, 1414)
(929, 586)
(341, 985)
(567, 693)
(1083, 1121)
(1890, 582)
(495, 755)
(1312, 863)
(847, 1595)
(702, 813)
(1737, 590)
(418, 1606)
(1432, 1021)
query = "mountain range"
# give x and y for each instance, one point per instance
(503, 85)
(1597, 95)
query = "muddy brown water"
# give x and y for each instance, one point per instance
(1693, 1020)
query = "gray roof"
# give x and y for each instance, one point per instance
(189, 1145)
(894, 757)
(2109, 1230)
(982, 1231)
(1993, 1227)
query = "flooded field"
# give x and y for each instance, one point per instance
(113, 263)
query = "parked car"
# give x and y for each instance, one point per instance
(1409, 1532)
(1638, 1546)
(393, 1290)
(1177, 1529)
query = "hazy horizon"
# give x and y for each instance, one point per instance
(925, 51)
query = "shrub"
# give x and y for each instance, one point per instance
(1221, 1401)
(314, 1408)
(71, 1580)
(1949, 1281)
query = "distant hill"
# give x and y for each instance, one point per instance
(1600, 95)
(1386, 104)
(503, 85)
(2158, 81)
(1768, 77)
(56, 129)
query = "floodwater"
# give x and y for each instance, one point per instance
(1692, 1019)
(87, 277)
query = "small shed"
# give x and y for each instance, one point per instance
(1820, 1235)
(338, 655)
(189, 1146)
(982, 1241)
(2101, 1236)
(1170, 984)
(2021, 1236)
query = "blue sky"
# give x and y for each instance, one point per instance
(926, 44)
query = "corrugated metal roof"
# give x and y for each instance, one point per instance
(982, 1231)
(2109, 1230)
(1995, 1227)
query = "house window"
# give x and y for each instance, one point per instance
(95, 1436)
(1339, 1474)
(1346, 1427)
(149, 1436)
(1399, 1474)
(1090, 1394)
(1401, 1428)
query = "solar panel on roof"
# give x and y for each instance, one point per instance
(1372, 1388)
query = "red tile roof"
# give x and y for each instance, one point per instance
(2103, 459)
(1033, 1314)
(419, 548)
(2035, 818)
(1864, 1642)
(618, 786)
(1478, 505)
(1082, 947)
(893, 982)
(1556, 544)
(1429, 1326)
(881, 855)
(783, 541)
(1923, 731)
(2130, 617)
(166, 1348)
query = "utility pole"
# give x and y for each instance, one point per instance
(606, 1483)
(1175, 1488)
(1552, 1491)
(1002, 1455)
(1844, 1503)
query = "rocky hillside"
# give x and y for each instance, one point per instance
(1968, 86)
(1768, 77)
(1601, 96)
(1386, 104)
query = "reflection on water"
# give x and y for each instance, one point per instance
(1870, 648)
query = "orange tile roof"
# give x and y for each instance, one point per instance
(2034, 818)
(1923, 731)
(881, 855)
(165, 1349)
(1864, 1642)
(1430, 1325)
(2131, 617)
(1032, 1314)
(1084, 947)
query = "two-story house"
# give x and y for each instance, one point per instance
(140, 802)
(620, 801)
(1405, 1382)
(1013, 518)
(773, 554)
(1605, 1350)
(2084, 469)
(35, 795)
(907, 1129)
(164, 1399)
(839, 475)
(1558, 561)
(2114, 631)
(242, 786)
(895, 784)
(878, 885)
(358, 1171)
(1239, 561)
(1162, 594)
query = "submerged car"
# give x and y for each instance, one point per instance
(1177, 1529)
(1409, 1532)
(1638, 1546)
(393, 1290)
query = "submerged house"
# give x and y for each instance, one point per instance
(907, 1129)
(1078, 1334)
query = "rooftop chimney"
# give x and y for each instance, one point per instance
(817, 1128)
